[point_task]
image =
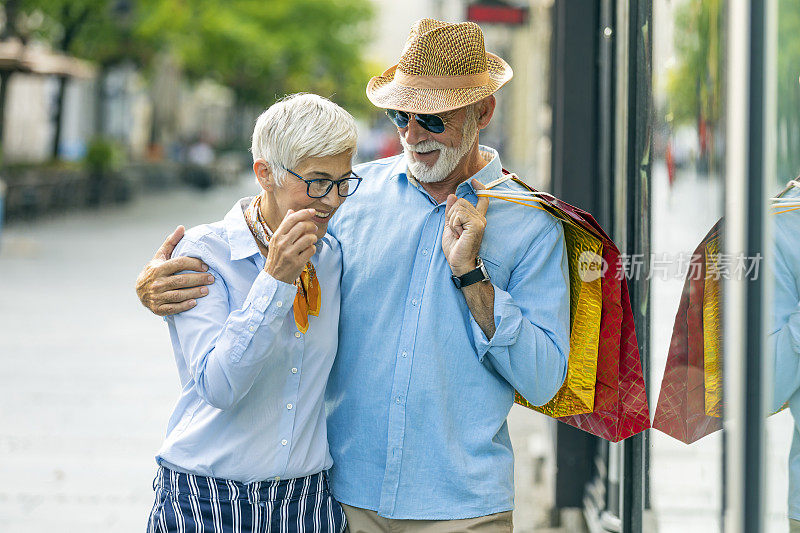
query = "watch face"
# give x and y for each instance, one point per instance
(482, 267)
(485, 272)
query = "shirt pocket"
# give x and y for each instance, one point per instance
(498, 273)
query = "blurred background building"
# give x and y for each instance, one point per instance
(141, 92)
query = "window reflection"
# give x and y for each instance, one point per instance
(688, 230)
(686, 268)
(782, 438)
(784, 343)
(788, 88)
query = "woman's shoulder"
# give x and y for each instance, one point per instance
(204, 241)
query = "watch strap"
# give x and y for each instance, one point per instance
(476, 275)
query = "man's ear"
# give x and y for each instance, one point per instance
(485, 111)
(263, 174)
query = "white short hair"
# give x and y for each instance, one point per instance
(300, 126)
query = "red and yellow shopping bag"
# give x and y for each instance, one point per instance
(619, 408)
(576, 395)
(682, 410)
(690, 401)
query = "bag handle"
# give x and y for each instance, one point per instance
(513, 177)
(546, 202)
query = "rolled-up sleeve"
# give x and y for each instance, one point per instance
(225, 349)
(531, 343)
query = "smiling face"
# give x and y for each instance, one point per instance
(432, 157)
(292, 194)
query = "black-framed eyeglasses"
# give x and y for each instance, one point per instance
(432, 123)
(320, 187)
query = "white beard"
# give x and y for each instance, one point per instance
(448, 157)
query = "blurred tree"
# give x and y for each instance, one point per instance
(788, 83)
(14, 26)
(695, 83)
(97, 30)
(262, 50)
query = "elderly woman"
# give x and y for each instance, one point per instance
(246, 446)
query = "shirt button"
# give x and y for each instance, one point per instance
(297, 334)
(284, 442)
(397, 400)
(436, 210)
(405, 354)
(252, 328)
(279, 304)
(414, 301)
(425, 251)
(289, 406)
(294, 371)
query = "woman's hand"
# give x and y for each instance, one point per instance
(291, 246)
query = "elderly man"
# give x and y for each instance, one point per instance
(447, 308)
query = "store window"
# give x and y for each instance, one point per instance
(782, 259)
(685, 270)
(697, 210)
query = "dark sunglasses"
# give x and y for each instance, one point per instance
(432, 123)
(319, 188)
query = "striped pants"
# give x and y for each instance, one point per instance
(187, 503)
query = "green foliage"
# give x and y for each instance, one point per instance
(788, 84)
(96, 30)
(695, 84)
(261, 49)
(102, 156)
(265, 49)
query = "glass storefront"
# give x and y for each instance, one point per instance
(711, 234)
(687, 205)
(782, 352)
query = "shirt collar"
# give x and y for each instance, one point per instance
(489, 173)
(492, 171)
(241, 241)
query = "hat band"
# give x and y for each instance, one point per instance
(442, 82)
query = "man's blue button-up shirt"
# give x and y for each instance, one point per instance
(785, 334)
(252, 401)
(418, 396)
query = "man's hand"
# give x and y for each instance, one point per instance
(463, 231)
(166, 293)
(291, 246)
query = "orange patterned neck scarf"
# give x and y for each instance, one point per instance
(308, 299)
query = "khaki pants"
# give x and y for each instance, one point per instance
(366, 521)
(794, 526)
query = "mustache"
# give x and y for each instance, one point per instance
(423, 146)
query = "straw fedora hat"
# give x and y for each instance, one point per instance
(443, 66)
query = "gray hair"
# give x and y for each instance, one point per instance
(300, 126)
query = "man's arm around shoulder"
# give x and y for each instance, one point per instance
(165, 292)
